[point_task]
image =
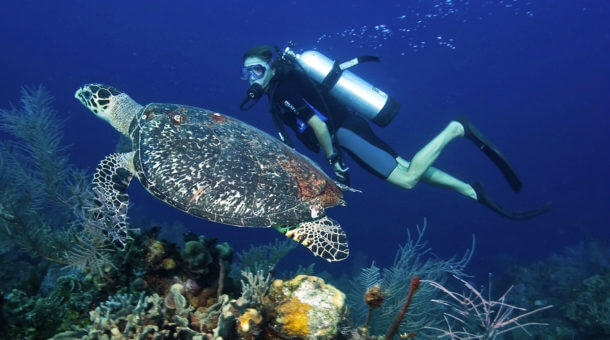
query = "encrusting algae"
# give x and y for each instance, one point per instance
(248, 324)
(305, 307)
(294, 317)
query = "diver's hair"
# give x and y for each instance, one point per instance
(282, 67)
(264, 52)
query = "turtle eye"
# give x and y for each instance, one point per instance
(113, 91)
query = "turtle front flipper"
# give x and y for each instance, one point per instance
(323, 237)
(110, 182)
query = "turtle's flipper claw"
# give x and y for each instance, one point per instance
(323, 237)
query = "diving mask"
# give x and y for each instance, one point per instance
(253, 72)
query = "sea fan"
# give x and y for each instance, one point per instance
(263, 258)
(367, 278)
(89, 251)
(412, 259)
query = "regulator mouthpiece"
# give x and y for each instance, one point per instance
(254, 93)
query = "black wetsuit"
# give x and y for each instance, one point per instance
(294, 99)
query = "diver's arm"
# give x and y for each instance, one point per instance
(322, 134)
(320, 129)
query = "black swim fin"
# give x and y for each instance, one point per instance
(492, 152)
(484, 199)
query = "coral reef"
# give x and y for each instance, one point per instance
(143, 299)
(304, 307)
(196, 257)
(35, 316)
(577, 282)
(590, 304)
(161, 302)
(184, 303)
(133, 279)
(127, 316)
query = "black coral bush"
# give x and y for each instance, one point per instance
(44, 201)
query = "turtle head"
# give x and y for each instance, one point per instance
(97, 98)
(108, 103)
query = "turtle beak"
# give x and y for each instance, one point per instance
(85, 96)
(81, 95)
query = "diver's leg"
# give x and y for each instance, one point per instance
(356, 137)
(437, 177)
(408, 177)
(440, 178)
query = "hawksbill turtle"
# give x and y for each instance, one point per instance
(214, 167)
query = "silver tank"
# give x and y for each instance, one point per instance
(350, 89)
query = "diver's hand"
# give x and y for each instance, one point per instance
(339, 168)
(341, 172)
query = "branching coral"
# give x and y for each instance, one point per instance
(472, 316)
(255, 287)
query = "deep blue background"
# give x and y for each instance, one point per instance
(534, 76)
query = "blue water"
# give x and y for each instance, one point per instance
(534, 76)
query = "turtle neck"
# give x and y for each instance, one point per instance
(123, 109)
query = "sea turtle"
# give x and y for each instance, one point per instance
(214, 167)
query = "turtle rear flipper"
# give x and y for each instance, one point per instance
(323, 237)
(110, 182)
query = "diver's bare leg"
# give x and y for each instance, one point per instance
(440, 178)
(407, 177)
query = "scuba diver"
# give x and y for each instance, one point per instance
(324, 104)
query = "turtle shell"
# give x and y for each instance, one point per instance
(219, 168)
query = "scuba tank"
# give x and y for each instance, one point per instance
(345, 86)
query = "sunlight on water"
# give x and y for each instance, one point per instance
(423, 23)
